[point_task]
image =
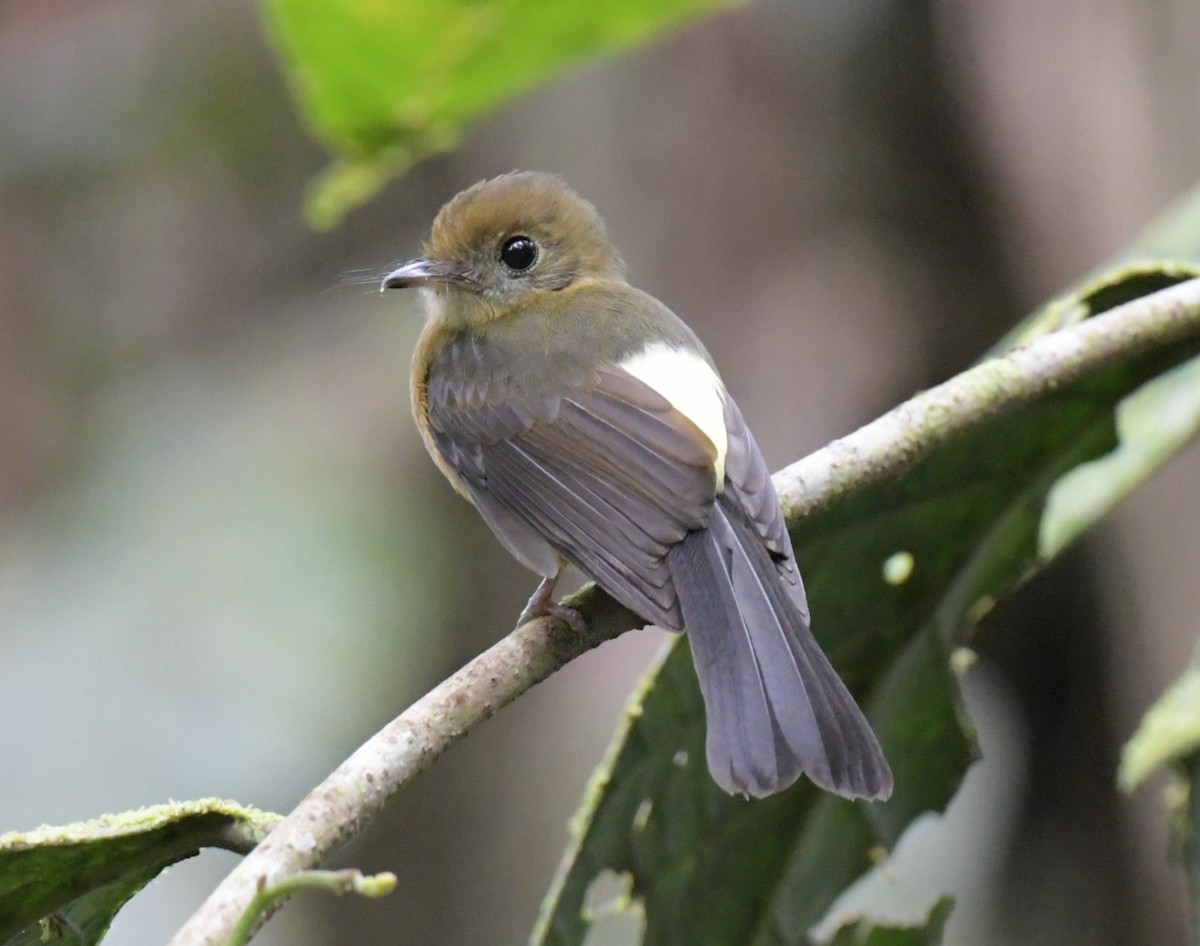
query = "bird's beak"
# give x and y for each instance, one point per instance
(425, 272)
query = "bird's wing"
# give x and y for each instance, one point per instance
(607, 472)
(748, 481)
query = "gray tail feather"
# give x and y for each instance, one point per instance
(775, 705)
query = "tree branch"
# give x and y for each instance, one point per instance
(886, 447)
(342, 805)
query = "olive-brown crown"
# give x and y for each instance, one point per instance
(525, 230)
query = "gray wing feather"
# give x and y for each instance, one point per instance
(747, 471)
(749, 480)
(608, 474)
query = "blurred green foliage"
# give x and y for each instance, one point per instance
(384, 83)
(864, 933)
(1169, 733)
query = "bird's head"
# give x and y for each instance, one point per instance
(502, 243)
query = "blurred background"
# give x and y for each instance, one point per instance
(225, 559)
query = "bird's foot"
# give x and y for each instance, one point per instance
(542, 604)
(541, 601)
(570, 617)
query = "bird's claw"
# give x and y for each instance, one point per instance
(569, 616)
(542, 604)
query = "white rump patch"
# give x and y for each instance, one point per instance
(693, 388)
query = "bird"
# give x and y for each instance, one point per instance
(589, 427)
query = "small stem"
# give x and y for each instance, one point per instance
(336, 882)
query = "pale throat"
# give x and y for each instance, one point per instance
(693, 388)
(454, 308)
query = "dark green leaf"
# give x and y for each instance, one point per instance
(65, 884)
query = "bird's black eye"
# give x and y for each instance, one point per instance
(518, 253)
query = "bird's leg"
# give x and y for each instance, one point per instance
(541, 600)
(542, 604)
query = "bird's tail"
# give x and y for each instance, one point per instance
(774, 704)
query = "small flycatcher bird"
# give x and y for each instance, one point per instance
(588, 426)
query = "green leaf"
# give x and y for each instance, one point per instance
(384, 83)
(898, 575)
(1169, 732)
(863, 933)
(65, 884)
